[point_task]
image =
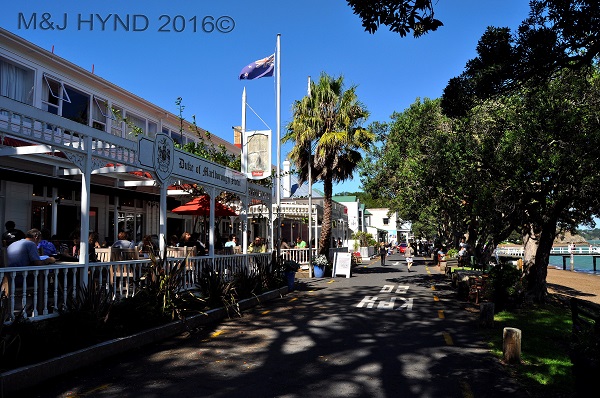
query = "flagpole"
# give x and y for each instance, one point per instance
(309, 201)
(244, 212)
(278, 115)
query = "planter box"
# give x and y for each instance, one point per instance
(366, 252)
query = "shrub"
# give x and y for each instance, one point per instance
(505, 286)
(365, 238)
(10, 334)
(451, 253)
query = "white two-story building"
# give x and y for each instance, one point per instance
(49, 108)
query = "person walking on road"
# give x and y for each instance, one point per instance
(382, 253)
(408, 256)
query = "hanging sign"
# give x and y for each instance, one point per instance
(256, 154)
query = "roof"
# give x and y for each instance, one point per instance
(299, 191)
(342, 198)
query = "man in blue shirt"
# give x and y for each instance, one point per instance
(24, 252)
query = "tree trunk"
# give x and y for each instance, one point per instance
(537, 253)
(325, 238)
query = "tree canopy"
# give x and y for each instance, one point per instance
(511, 145)
(400, 16)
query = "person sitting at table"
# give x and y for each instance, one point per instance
(186, 240)
(61, 246)
(257, 246)
(24, 252)
(284, 244)
(73, 253)
(230, 242)
(93, 244)
(12, 234)
(123, 242)
(45, 247)
(146, 246)
(229, 246)
(200, 246)
(300, 243)
(189, 240)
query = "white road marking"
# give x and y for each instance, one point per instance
(389, 304)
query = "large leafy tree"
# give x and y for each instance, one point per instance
(543, 78)
(538, 147)
(524, 161)
(328, 134)
(557, 144)
(430, 171)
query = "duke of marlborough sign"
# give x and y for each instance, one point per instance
(170, 162)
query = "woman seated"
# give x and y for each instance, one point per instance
(146, 246)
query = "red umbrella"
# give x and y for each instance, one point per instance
(200, 206)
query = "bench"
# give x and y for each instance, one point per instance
(477, 285)
(453, 262)
(463, 280)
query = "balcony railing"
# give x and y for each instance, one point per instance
(30, 125)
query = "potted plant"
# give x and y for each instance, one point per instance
(319, 263)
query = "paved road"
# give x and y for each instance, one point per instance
(383, 332)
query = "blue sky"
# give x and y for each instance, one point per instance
(203, 67)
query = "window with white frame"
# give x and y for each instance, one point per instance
(386, 221)
(177, 138)
(65, 101)
(152, 129)
(101, 113)
(16, 82)
(133, 120)
(54, 94)
(116, 126)
(78, 109)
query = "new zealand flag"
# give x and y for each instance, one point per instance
(257, 69)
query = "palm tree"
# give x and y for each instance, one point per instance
(326, 128)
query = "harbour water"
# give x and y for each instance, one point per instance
(580, 263)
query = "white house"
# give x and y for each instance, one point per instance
(388, 228)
